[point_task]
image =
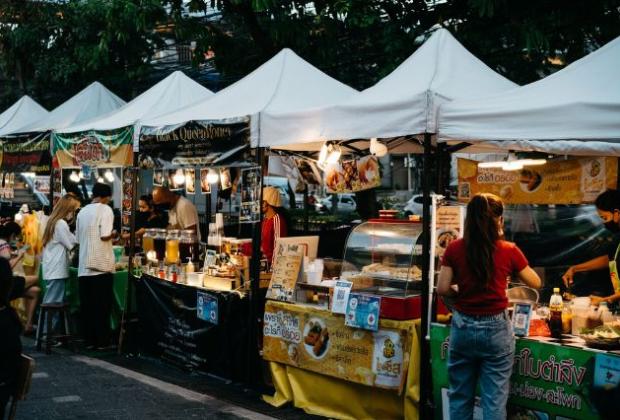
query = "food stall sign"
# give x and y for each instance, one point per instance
(548, 380)
(570, 181)
(363, 311)
(94, 148)
(354, 175)
(317, 340)
(26, 153)
(207, 308)
(194, 143)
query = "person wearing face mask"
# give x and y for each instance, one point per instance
(147, 217)
(182, 213)
(608, 208)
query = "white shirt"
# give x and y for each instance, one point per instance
(87, 217)
(184, 215)
(55, 260)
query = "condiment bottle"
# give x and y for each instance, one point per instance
(189, 268)
(556, 305)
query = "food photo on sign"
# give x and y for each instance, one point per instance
(353, 175)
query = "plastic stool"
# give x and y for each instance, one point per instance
(46, 313)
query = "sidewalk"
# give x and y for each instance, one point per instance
(69, 385)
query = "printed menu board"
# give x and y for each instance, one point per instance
(562, 181)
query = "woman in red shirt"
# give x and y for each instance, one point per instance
(274, 223)
(475, 273)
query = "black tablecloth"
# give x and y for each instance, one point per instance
(170, 328)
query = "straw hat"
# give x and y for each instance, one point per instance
(272, 196)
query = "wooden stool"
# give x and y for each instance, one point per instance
(46, 313)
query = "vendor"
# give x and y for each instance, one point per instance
(274, 221)
(608, 208)
(148, 216)
(182, 213)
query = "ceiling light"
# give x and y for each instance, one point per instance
(74, 177)
(212, 177)
(334, 155)
(109, 176)
(179, 177)
(377, 148)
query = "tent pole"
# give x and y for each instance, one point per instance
(425, 382)
(255, 305)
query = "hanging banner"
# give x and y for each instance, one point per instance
(350, 176)
(571, 181)
(26, 153)
(194, 143)
(96, 148)
(548, 380)
(317, 340)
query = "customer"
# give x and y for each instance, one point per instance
(10, 343)
(94, 229)
(608, 208)
(182, 214)
(474, 271)
(25, 287)
(58, 241)
(274, 222)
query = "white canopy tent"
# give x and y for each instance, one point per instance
(403, 103)
(90, 102)
(174, 92)
(574, 111)
(23, 112)
(285, 82)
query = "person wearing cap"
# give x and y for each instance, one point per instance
(274, 223)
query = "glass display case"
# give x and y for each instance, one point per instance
(384, 257)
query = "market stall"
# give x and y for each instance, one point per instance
(576, 374)
(398, 110)
(209, 141)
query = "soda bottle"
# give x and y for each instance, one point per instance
(555, 307)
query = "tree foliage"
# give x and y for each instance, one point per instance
(51, 49)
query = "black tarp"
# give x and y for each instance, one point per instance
(170, 329)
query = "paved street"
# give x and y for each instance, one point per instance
(73, 386)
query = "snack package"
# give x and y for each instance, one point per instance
(539, 328)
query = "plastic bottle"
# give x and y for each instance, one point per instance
(556, 305)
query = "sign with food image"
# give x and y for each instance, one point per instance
(562, 181)
(353, 175)
(318, 340)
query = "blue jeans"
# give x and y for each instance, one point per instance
(481, 351)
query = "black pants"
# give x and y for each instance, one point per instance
(96, 306)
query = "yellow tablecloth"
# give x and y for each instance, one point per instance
(336, 398)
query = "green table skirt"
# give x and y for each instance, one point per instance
(120, 294)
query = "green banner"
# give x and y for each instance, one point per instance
(549, 381)
(94, 148)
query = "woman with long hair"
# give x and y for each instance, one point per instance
(475, 272)
(58, 241)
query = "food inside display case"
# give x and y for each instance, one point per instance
(384, 258)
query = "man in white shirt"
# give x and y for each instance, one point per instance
(96, 291)
(182, 213)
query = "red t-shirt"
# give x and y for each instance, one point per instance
(271, 230)
(473, 299)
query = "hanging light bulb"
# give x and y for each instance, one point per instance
(100, 180)
(323, 155)
(109, 175)
(334, 155)
(179, 177)
(81, 175)
(377, 148)
(212, 177)
(74, 177)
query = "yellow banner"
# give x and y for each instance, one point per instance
(317, 340)
(571, 181)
